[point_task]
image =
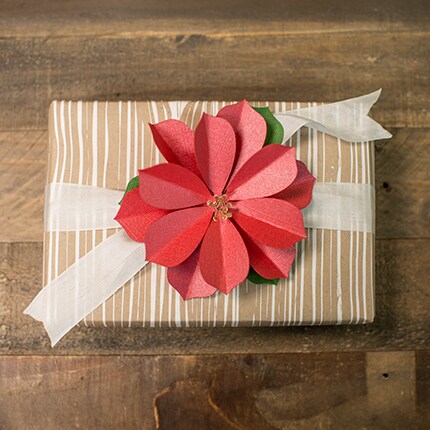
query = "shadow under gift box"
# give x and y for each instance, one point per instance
(104, 144)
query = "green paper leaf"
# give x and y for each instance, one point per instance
(275, 131)
(255, 278)
(132, 184)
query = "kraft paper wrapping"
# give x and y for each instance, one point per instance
(105, 143)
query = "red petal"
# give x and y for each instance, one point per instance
(173, 238)
(269, 262)
(267, 172)
(186, 278)
(273, 222)
(175, 140)
(215, 146)
(224, 260)
(135, 216)
(299, 193)
(170, 186)
(250, 128)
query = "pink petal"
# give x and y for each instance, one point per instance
(170, 186)
(224, 260)
(187, 278)
(215, 146)
(273, 222)
(269, 262)
(135, 216)
(250, 128)
(173, 238)
(267, 172)
(299, 193)
(175, 140)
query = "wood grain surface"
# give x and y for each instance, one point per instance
(357, 377)
(354, 390)
(294, 50)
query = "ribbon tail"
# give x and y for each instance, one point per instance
(86, 284)
(346, 119)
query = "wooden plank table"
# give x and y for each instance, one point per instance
(355, 377)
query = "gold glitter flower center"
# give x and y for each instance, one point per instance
(221, 207)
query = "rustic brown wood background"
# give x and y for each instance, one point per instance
(368, 377)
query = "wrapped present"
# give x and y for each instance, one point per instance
(97, 272)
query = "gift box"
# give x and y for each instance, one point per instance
(104, 144)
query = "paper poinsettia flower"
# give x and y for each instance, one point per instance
(225, 201)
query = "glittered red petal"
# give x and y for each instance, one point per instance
(173, 238)
(175, 140)
(187, 278)
(299, 193)
(215, 147)
(135, 216)
(269, 262)
(273, 222)
(170, 186)
(267, 172)
(224, 260)
(249, 127)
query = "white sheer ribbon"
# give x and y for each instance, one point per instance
(87, 284)
(71, 207)
(334, 206)
(79, 290)
(341, 206)
(347, 119)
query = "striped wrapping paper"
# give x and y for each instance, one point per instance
(105, 143)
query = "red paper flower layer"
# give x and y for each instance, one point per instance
(223, 202)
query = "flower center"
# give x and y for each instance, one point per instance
(221, 207)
